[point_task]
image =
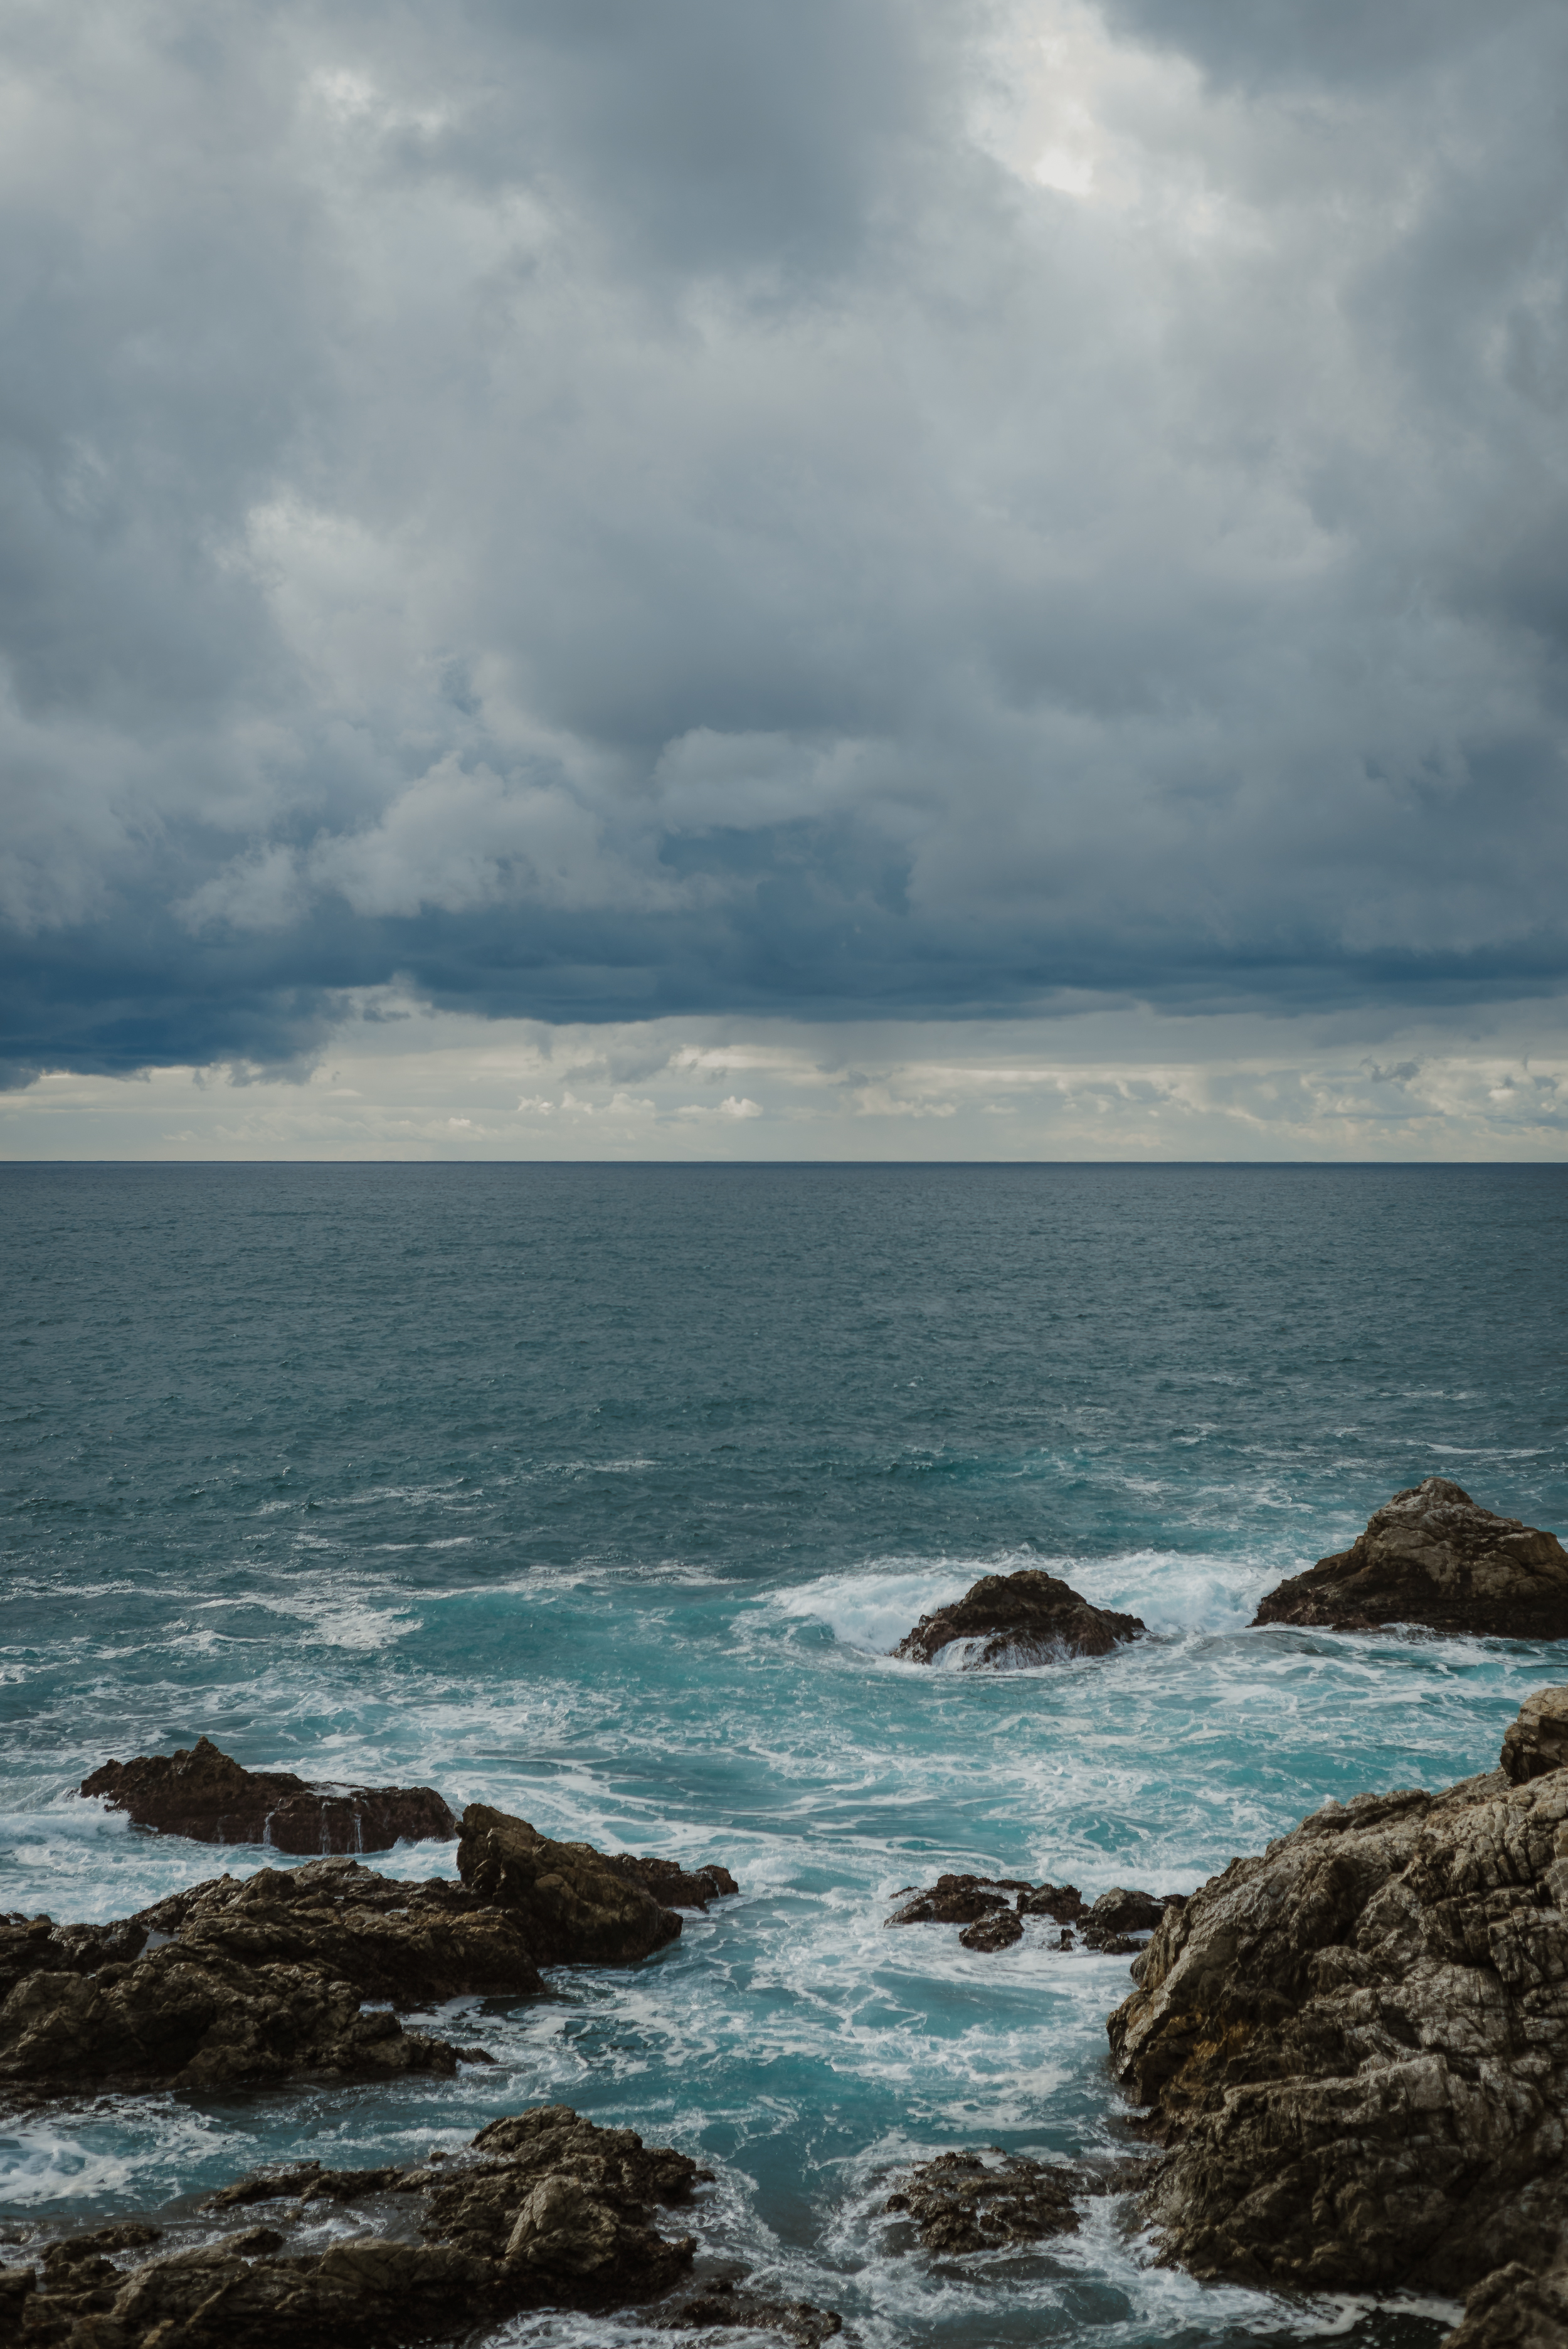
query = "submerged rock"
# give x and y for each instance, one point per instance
(573, 1903)
(1020, 1620)
(720, 2307)
(549, 2210)
(202, 1792)
(992, 1910)
(1356, 2046)
(975, 2202)
(1433, 1556)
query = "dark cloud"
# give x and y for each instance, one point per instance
(827, 507)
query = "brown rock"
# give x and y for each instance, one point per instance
(673, 1885)
(1513, 2309)
(958, 1900)
(720, 2307)
(1020, 1620)
(573, 1903)
(997, 1931)
(1432, 1556)
(202, 1794)
(972, 2202)
(1356, 2046)
(1537, 1740)
(552, 2211)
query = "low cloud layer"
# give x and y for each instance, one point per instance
(831, 508)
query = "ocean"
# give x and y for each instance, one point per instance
(600, 1492)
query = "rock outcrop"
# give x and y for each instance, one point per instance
(1356, 2046)
(1016, 1622)
(202, 1792)
(260, 1979)
(991, 1910)
(673, 1885)
(546, 2210)
(1513, 2309)
(573, 1903)
(720, 2307)
(975, 2202)
(1433, 1556)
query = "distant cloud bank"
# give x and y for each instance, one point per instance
(816, 512)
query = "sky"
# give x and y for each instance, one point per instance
(783, 578)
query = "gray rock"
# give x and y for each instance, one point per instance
(1433, 1556)
(1356, 2046)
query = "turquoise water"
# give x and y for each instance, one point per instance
(600, 1492)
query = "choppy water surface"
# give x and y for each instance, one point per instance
(600, 1492)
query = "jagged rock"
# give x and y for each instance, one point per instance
(1537, 1740)
(1020, 1620)
(573, 1903)
(673, 1885)
(720, 2306)
(997, 1931)
(1433, 1556)
(959, 1900)
(992, 1921)
(202, 1792)
(254, 1979)
(1356, 2046)
(972, 2202)
(1512, 2309)
(553, 2213)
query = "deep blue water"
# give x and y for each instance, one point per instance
(600, 1492)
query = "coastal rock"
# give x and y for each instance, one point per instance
(255, 1980)
(1433, 1556)
(202, 1792)
(720, 2307)
(1512, 2309)
(1020, 1620)
(673, 1885)
(992, 1910)
(975, 2202)
(553, 2211)
(1356, 2046)
(573, 1903)
(1537, 1740)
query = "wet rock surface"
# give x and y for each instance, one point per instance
(1020, 1620)
(723, 2307)
(1433, 1556)
(673, 1885)
(260, 1979)
(992, 1910)
(1356, 2046)
(202, 1792)
(571, 1901)
(1515, 2309)
(1537, 1740)
(976, 2201)
(546, 2209)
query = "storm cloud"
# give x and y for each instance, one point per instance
(592, 511)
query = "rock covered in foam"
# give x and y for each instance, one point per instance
(1017, 1621)
(1433, 1556)
(992, 1910)
(202, 1792)
(1357, 2047)
(545, 2210)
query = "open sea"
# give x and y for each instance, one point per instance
(600, 1492)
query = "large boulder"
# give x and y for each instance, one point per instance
(1017, 1621)
(545, 2210)
(203, 1792)
(573, 1903)
(1433, 1556)
(1356, 2046)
